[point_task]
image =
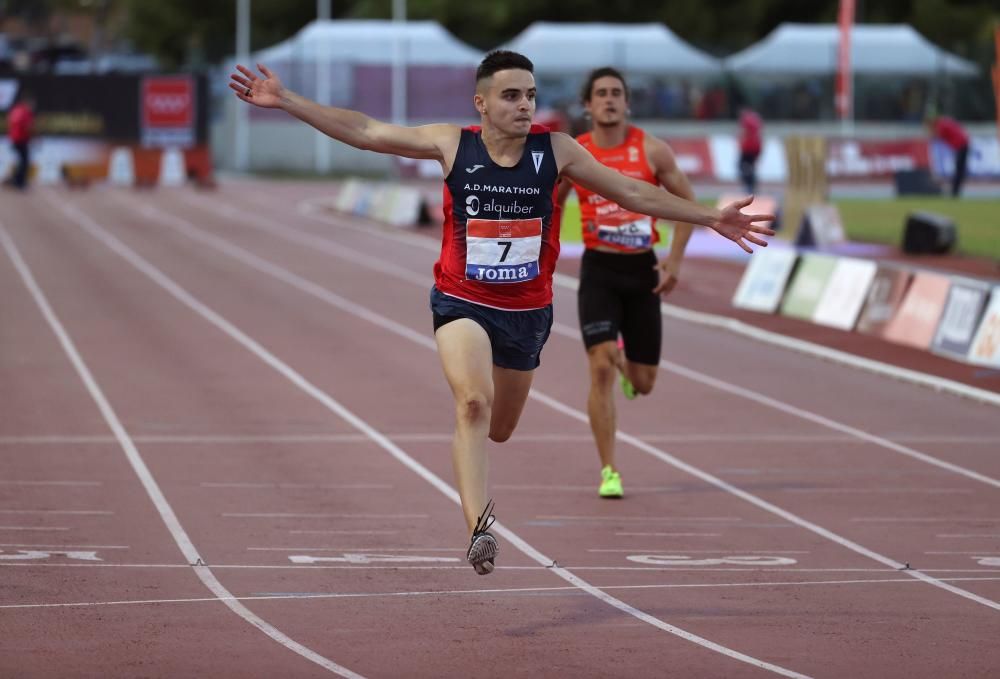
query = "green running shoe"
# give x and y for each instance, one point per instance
(627, 387)
(611, 483)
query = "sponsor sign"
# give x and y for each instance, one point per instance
(168, 111)
(917, 319)
(985, 349)
(851, 158)
(845, 293)
(984, 158)
(8, 92)
(885, 294)
(764, 280)
(962, 311)
(807, 287)
(693, 157)
(821, 227)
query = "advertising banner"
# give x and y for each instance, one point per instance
(764, 279)
(807, 287)
(845, 293)
(917, 319)
(960, 319)
(985, 349)
(885, 295)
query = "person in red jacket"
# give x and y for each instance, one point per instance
(20, 126)
(951, 133)
(750, 144)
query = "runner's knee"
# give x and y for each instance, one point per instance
(643, 380)
(473, 408)
(603, 367)
(501, 432)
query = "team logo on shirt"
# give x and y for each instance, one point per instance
(537, 157)
(633, 154)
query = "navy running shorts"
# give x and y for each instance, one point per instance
(616, 296)
(517, 337)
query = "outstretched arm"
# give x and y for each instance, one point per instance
(437, 142)
(576, 163)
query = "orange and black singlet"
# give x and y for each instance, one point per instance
(604, 222)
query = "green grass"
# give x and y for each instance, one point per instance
(977, 221)
(881, 220)
(570, 231)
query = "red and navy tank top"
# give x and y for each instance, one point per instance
(604, 222)
(501, 229)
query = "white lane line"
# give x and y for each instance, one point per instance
(923, 519)
(699, 551)
(13, 544)
(300, 486)
(290, 515)
(465, 568)
(138, 464)
(343, 532)
(51, 483)
(370, 549)
(672, 535)
(982, 552)
(45, 440)
(72, 512)
(882, 491)
(964, 536)
(239, 439)
(570, 283)
(334, 406)
(581, 488)
(325, 295)
(487, 592)
(654, 519)
(34, 528)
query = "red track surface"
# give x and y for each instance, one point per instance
(273, 376)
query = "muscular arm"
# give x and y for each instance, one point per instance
(673, 179)
(437, 142)
(576, 163)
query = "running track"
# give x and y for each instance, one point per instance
(224, 452)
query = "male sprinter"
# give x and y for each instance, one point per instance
(620, 280)
(492, 296)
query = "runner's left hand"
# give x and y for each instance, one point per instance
(738, 226)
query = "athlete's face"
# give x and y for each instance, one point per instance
(507, 101)
(608, 105)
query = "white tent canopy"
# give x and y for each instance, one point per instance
(811, 49)
(425, 43)
(633, 48)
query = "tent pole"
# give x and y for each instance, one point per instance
(398, 64)
(242, 128)
(323, 142)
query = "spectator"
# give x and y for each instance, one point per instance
(951, 133)
(750, 145)
(20, 124)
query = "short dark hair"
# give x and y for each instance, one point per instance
(597, 74)
(502, 60)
